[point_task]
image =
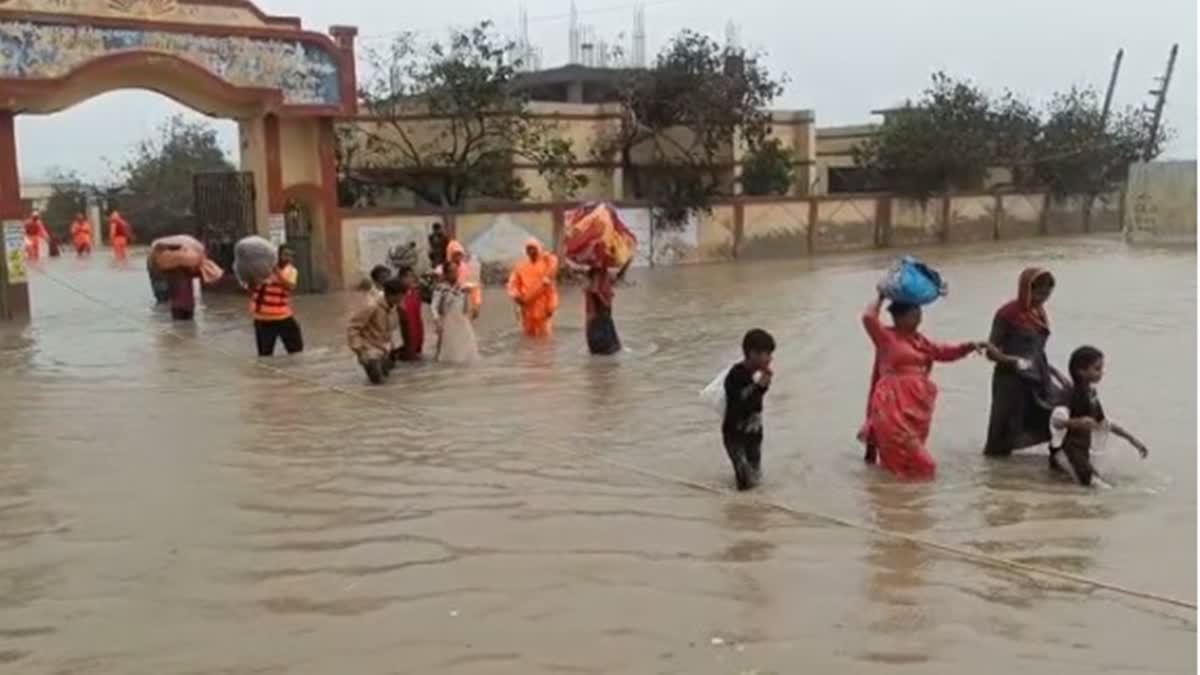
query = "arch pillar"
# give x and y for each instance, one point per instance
(14, 292)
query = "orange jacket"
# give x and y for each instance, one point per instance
(533, 286)
(81, 232)
(119, 227)
(272, 301)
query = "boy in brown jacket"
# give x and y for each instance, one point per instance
(370, 332)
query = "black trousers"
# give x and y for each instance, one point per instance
(745, 453)
(286, 330)
(1079, 456)
(378, 369)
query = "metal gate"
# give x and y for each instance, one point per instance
(224, 211)
(298, 227)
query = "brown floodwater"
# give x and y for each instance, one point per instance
(166, 506)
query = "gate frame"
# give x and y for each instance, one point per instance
(262, 112)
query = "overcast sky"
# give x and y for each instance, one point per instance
(842, 58)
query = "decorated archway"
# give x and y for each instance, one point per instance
(282, 84)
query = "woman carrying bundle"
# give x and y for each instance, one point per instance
(902, 397)
(601, 332)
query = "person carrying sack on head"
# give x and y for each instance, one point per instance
(271, 307)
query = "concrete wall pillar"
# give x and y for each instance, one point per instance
(14, 292)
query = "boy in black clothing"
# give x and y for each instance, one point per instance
(745, 386)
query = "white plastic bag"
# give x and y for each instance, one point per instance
(713, 395)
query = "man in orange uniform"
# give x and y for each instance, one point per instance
(120, 235)
(271, 306)
(35, 232)
(81, 236)
(533, 287)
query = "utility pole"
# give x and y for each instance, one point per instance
(1160, 95)
(1112, 86)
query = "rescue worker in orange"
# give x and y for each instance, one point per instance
(271, 306)
(533, 287)
(81, 236)
(35, 232)
(120, 235)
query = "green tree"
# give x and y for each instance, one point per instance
(1079, 152)
(682, 118)
(768, 170)
(68, 196)
(945, 141)
(448, 125)
(157, 194)
(1016, 127)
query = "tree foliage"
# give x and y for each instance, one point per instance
(1078, 152)
(158, 177)
(683, 116)
(941, 143)
(1016, 127)
(956, 133)
(68, 197)
(448, 124)
(768, 170)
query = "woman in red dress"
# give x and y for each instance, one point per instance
(902, 398)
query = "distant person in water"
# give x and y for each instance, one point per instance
(534, 288)
(902, 396)
(81, 235)
(35, 233)
(1080, 417)
(1024, 384)
(468, 275)
(451, 309)
(746, 385)
(412, 324)
(437, 245)
(120, 236)
(370, 332)
(601, 331)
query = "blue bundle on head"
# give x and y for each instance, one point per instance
(912, 282)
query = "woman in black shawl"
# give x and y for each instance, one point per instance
(1024, 384)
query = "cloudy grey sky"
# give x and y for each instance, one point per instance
(843, 58)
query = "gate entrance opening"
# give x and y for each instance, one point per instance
(283, 85)
(224, 212)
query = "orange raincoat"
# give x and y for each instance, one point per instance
(533, 287)
(119, 235)
(81, 236)
(35, 232)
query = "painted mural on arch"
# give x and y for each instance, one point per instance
(303, 72)
(155, 10)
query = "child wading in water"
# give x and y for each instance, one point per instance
(745, 386)
(1072, 425)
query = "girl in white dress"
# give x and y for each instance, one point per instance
(451, 308)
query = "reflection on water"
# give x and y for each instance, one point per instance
(167, 506)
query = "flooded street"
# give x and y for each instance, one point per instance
(169, 506)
